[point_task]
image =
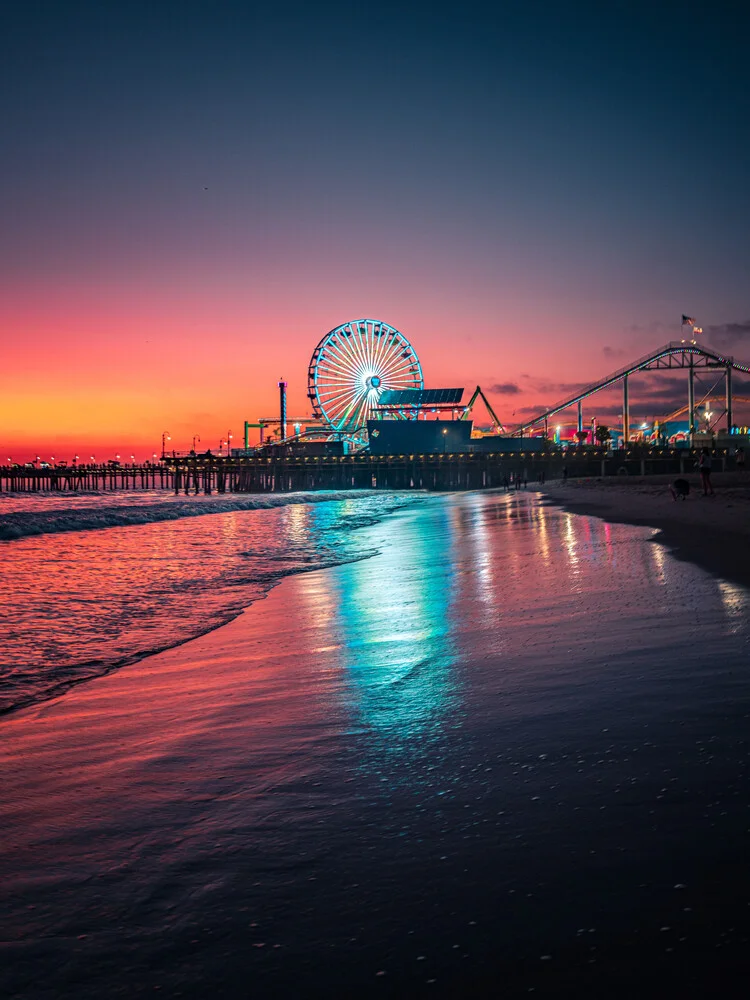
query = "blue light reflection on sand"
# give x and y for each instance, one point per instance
(394, 627)
(497, 729)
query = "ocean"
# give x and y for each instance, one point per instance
(454, 745)
(92, 582)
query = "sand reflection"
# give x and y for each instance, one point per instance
(393, 627)
(736, 604)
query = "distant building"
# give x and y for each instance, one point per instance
(429, 437)
(311, 449)
(421, 437)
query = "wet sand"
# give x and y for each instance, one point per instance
(507, 755)
(713, 532)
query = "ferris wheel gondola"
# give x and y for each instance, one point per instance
(350, 368)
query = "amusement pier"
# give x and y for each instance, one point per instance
(374, 425)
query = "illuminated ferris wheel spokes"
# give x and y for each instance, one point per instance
(352, 365)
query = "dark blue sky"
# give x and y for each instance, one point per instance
(477, 174)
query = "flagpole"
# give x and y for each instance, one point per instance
(690, 321)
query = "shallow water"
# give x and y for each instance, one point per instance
(97, 581)
(22, 515)
(507, 753)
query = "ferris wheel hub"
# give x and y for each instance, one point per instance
(373, 382)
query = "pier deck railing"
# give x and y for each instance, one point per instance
(258, 474)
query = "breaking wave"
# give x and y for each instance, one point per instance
(111, 513)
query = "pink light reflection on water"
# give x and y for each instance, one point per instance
(387, 709)
(75, 603)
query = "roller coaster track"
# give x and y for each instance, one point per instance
(676, 354)
(676, 414)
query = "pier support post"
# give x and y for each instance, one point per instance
(729, 399)
(282, 409)
(625, 411)
(691, 400)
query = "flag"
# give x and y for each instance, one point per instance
(687, 320)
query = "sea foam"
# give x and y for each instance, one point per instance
(108, 511)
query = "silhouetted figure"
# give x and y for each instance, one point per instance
(565, 473)
(704, 467)
(740, 460)
(679, 488)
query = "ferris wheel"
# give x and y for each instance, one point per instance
(351, 367)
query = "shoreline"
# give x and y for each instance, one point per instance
(709, 532)
(388, 775)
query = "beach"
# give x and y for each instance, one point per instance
(502, 751)
(712, 532)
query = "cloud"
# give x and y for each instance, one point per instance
(556, 389)
(611, 353)
(531, 410)
(637, 339)
(610, 410)
(656, 387)
(728, 337)
(656, 332)
(505, 389)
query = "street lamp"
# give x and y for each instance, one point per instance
(222, 442)
(445, 431)
(164, 437)
(229, 444)
(196, 437)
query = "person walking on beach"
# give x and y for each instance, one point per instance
(565, 473)
(704, 467)
(740, 460)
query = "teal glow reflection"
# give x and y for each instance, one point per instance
(395, 631)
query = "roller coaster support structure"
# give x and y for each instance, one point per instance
(676, 354)
(496, 422)
(729, 399)
(625, 411)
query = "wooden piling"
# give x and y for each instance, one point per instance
(269, 474)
